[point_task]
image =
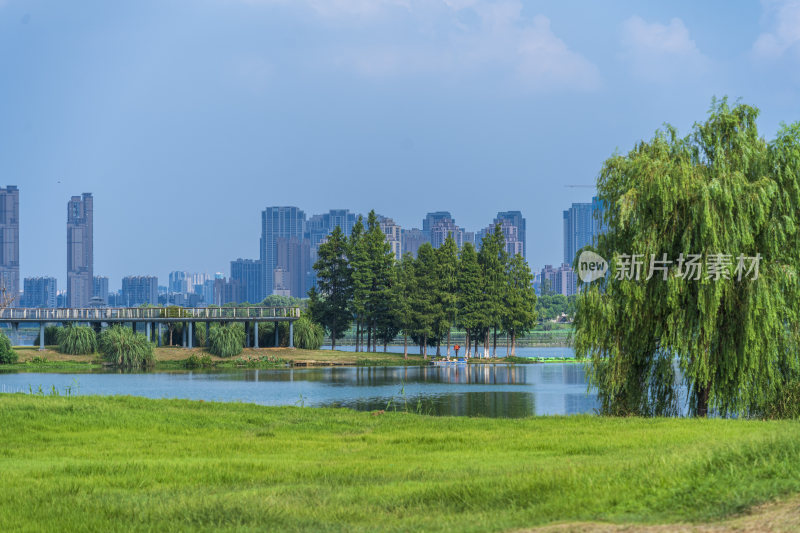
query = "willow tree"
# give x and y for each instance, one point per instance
(722, 193)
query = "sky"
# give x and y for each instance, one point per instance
(185, 119)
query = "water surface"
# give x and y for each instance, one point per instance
(491, 390)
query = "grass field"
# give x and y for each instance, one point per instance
(123, 463)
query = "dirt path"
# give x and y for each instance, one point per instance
(783, 516)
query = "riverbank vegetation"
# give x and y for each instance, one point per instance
(124, 348)
(76, 340)
(485, 293)
(718, 213)
(195, 465)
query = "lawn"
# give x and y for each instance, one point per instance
(123, 463)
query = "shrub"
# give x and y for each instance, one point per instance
(124, 348)
(226, 340)
(199, 330)
(76, 340)
(50, 336)
(198, 362)
(7, 355)
(308, 334)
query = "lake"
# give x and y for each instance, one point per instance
(488, 390)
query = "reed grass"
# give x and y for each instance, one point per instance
(76, 340)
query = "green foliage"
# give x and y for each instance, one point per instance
(550, 306)
(7, 355)
(226, 340)
(77, 340)
(520, 300)
(193, 361)
(308, 335)
(126, 349)
(625, 471)
(721, 190)
(274, 300)
(50, 336)
(330, 301)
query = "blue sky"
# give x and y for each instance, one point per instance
(186, 118)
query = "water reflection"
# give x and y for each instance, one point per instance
(471, 390)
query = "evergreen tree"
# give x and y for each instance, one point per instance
(330, 305)
(423, 300)
(447, 266)
(361, 274)
(492, 259)
(470, 295)
(380, 262)
(520, 303)
(403, 291)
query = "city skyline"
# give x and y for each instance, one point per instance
(80, 223)
(388, 108)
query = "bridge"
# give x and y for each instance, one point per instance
(154, 318)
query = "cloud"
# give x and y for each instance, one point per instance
(784, 17)
(496, 38)
(393, 38)
(660, 52)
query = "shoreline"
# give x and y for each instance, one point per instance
(176, 358)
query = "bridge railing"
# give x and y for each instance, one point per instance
(145, 313)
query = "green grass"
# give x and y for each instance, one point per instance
(123, 463)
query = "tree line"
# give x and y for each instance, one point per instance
(485, 292)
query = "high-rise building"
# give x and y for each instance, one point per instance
(178, 282)
(516, 219)
(566, 282)
(40, 292)
(561, 280)
(9, 245)
(101, 288)
(394, 235)
(432, 218)
(138, 290)
(577, 230)
(278, 222)
(412, 239)
(319, 227)
(80, 253)
(249, 274)
(443, 227)
(513, 244)
(293, 258)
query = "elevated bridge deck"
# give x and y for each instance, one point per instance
(153, 318)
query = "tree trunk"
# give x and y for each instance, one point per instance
(486, 344)
(466, 348)
(508, 344)
(385, 345)
(438, 347)
(374, 338)
(702, 400)
(405, 345)
(425, 347)
(333, 340)
(448, 342)
(369, 337)
(514, 344)
(358, 330)
(494, 343)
